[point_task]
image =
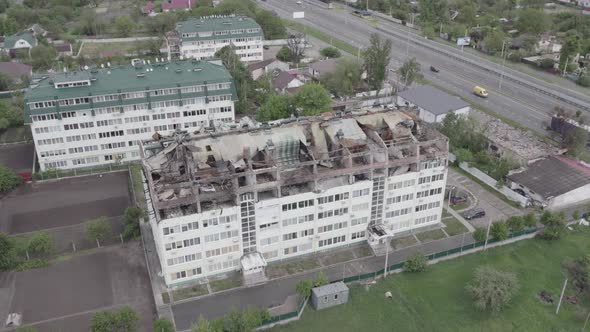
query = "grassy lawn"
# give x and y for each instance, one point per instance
(346, 47)
(454, 226)
(403, 242)
(94, 49)
(223, 284)
(436, 300)
(338, 257)
(13, 135)
(432, 235)
(138, 186)
(363, 251)
(460, 206)
(188, 292)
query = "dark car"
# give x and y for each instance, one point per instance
(474, 213)
(434, 69)
(266, 47)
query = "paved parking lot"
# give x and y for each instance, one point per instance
(65, 202)
(495, 208)
(18, 157)
(64, 296)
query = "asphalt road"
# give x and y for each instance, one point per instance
(526, 106)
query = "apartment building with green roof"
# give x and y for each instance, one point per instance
(99, 116)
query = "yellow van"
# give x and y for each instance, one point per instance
(479, 91)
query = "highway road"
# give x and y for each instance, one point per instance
(519, 99)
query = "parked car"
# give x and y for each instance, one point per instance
(434, 69)
(474, 213)
(458, 199)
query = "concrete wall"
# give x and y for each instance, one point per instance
(330, 300)
(573, 197)
(507, 192)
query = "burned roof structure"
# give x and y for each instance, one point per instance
(196, 172)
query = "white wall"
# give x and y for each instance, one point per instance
(577, 196)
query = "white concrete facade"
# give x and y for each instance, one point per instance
(249, 49)
(212, 241)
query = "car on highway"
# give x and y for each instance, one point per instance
(474, 213)
(434, 69)
(479, 91)
(299, 2)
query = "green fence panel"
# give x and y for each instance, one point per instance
(440, 254)
(479, 244)
(396, 266)
(366, 276)
(454, 251)
(351, 279)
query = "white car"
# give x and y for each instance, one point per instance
(299, 2)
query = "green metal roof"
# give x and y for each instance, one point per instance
(129, 78)
(209, 24)
(10, 41)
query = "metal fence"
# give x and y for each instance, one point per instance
(400, 265)
(58, 174)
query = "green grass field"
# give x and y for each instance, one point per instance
(436, 300)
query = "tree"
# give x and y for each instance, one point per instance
(569, 49)
(272, 26)
(554, 225)
(7, 252)
(494, 41)
(575, 140)
(8, 179)
(576, 215)
(90, 24)
(6, 82)
(433, 11)
(330, 52)
(42, 57)
(499, 231)
(124, 26)
(480, 234)
(409, 71)
(533, 21)
(303, 288)
(345, 79)
(163, 325)
(296, 45)
(161, 23)
(131, 220)
(515, 223)
(417, 262)
(276, 107)
(492, 289)
(241, 76)
(547, 64)
(320, 279)
(40, 243)
(463, 155)
(124, 320)
(98, 229)
(376, 58)
(312, 99)
(284, 54)
(530, 220)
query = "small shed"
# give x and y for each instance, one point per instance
(329, 295)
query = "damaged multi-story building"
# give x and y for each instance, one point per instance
(240, 199)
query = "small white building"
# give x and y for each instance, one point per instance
(433, 104)
(267, 66)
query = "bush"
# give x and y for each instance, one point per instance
(492, 289)
(7, 252)
(417, 262)
(530, 220)
(554, 225)
(547, 63)
(480, 234)
(303, 287)
(131, 219)
(515, 223)
(584, 80)
(499, 230)
(284, 54)
(125, 320)
(163, 325)
(32, 264)
(98, 229)
(40, 243)
(8, 179)
(330, 52)
(320, 279)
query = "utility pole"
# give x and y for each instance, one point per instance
(386, 256)
(561, 297)
(485, 246)
(503, 66)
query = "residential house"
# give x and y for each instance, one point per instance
(16, 71)
(172, 5)
(323, 67)
(266, 66)
(286, 82)
(64, 49)
(20, 41)
(148, 9)
(433, 104)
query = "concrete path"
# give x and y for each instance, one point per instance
(460, 218)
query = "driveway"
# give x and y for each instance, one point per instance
(495, 208)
